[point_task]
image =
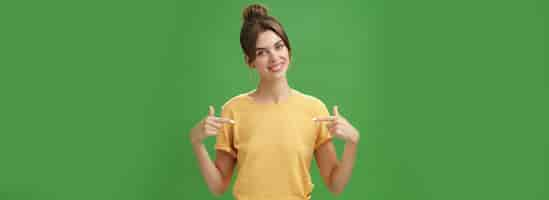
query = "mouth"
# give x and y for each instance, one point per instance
(276, 67)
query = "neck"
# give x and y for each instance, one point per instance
(273, 90)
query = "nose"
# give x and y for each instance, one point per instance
(273, 57)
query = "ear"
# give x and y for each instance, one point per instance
(248, 62)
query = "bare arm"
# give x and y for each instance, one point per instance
(218, 175)
(335, 174)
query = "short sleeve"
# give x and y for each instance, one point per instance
(323, 135)
(225, 138)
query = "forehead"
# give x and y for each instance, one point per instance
(266, 39)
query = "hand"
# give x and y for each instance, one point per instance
(209, 126)
(339, 127)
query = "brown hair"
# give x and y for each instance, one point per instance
(255, 21)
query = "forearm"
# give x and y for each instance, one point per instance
(342, 172)
(210, 172)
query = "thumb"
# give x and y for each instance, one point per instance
(212, 111)
(336, 111)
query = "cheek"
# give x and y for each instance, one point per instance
(260, 63)
(286, 53)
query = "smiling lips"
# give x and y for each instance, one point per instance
(276, 68)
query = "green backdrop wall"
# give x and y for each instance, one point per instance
(451, 97)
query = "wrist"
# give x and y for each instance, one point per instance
(354, 138)
(196, 143)
(195, 140)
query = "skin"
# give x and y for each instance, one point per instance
(273, 87)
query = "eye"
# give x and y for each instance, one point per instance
(279, 46)
(259, 53)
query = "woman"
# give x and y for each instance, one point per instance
(271, 133)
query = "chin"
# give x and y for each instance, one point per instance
(281, 74)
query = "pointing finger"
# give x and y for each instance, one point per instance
(224, 120)
(324, 119)
(214, 124)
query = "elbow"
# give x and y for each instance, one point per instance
(217, 191)
(336, 191)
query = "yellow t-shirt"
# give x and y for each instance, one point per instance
(273, 145)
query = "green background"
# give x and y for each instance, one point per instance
(451, 97)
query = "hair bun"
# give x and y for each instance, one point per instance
(254, 11)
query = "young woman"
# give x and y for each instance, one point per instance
(271, 133)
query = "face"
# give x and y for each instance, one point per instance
(272, 57)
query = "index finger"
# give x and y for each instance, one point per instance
(324, 119)
(224, 120)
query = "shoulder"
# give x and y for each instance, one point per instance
(310, 100)
(236, 101)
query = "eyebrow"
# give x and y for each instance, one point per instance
(262, 48)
